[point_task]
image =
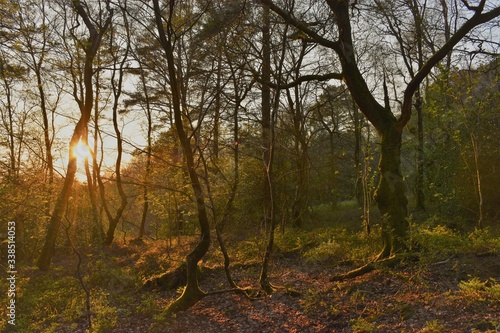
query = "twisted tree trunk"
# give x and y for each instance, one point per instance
(192, 292)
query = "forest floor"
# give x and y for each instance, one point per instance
(454, 286)
(404, 299)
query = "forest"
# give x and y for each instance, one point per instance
(250, 166)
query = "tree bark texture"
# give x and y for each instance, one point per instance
(390, 195)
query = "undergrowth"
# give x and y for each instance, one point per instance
(56, 300)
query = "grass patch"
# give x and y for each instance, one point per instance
(362, 325)
(104, 273)
(433, 326)
(46, 301)
(105, 315)
(438, 242)
(342, 245)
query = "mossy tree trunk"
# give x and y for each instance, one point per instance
(390, 194)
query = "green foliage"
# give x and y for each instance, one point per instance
(105, 315)
(331, 246)
(362, 325)
(314, 302)
(484, 240)
(462, 127)
(160, 321)
(438, 242)
(294, 240)
(325, 251)
(152, 261)
(24, 203)
(406, 311)
(148, 307)
(433, 326)
(104, 273)
(485, 326)
(249, 250)
(476, 290)
(51, 301)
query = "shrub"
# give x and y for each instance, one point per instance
(105, 274)
(477, 290)
(483, 240)
(325, 251)
(439, 241)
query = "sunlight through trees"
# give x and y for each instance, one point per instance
(243, 139)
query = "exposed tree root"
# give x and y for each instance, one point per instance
(354, 273)
(248, 292)
(289, 291)
(369, 267)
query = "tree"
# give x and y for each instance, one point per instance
(12, 121)
(390, 194)
(148, 111)
(461, 110)
(166, 35)
(117, 76)
(90, 48)
(405, 22)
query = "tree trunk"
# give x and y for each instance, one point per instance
(97, 229)
(358, 187)
(46, 129)
(420, 204)
(266, 117)
(477, 181)
(217, 106)
(365, 181)
(192, 292)
(264, 277)
(145, 193)
(92, 46)
(62, 200)
(117, 76)
(10, 124)
(390, 195)
(97, 233)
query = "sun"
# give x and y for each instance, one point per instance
(81, 151)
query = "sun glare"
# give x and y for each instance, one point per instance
(81, 151)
